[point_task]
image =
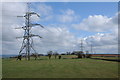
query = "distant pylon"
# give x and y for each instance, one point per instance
(91, 48)
(27, 44)
(81, 45)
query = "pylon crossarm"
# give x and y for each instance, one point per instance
(32, 35)
(29, 36)
(18, 37)
(18, 28)
(20, 16)
(33, 14)
(36, 25)
(25, 37)
(21, 28)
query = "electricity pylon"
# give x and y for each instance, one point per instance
(81, 45)
(27, 44)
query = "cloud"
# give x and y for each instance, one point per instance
(10, 20)
(44, 10)
(54, 38)
(9, 23)
(103, 42)
(57, 37)
(97, 23)
(67, 16)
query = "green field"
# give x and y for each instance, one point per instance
(63, 68)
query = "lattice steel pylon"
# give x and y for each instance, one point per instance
(81, 45)
(27, 44)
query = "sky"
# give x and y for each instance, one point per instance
(66, 24)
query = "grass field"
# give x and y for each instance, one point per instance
(63, 68)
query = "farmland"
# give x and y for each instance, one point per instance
(59, 68)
